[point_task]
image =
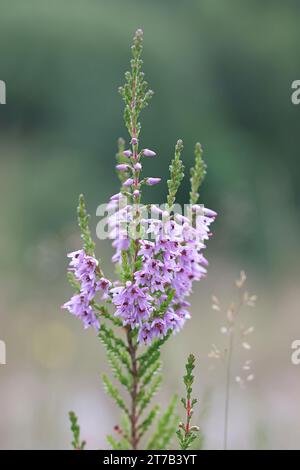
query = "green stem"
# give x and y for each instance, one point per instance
(132, 347)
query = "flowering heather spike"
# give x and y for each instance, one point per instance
(83, 218)
(176, 174)
(135, 92)
(77, 443)
(198, 173)
(186, 433)
(158, 258)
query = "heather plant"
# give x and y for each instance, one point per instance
(158, 254)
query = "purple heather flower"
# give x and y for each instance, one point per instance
(145, 334)
(152, 181)
(128, 182)
(120, 244)
(210, 213)
(159, 327)
(148, 153)
(134, 141)
(170, 263)
(116, 197)
(84, 268)
(132, 303)
(104, 285)
(146, 249)
(127, 153)
(181, 218)
(156, 210)
(122, 167)
(137, 166)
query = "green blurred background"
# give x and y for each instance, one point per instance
(222, 74)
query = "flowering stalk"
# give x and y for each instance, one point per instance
(186, 432)
(77, 443)
(158, 257)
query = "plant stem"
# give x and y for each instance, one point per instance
(134, 390)
(228, 380)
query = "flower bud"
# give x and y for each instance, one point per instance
(137, 166)
(148, 153)
(122, 167)
(156, 211)
(127, 153)
(134, 141)
(116, 197)
(136, 193)
(209, 212)
(128, 182)
(152, 181)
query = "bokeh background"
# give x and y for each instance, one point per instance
(222, 74)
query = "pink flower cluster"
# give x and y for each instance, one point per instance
(154, 301)
(162, 255)
(84, 268)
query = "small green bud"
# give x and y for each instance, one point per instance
(198, 173)
(83, 218)
(176, 174)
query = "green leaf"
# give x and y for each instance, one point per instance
(126, 273)
(118, 372)
(152, 355)
(115, 445)
(73, 281)
(151, 373)
(166, 428)
(115, 346)
(105, 314)
(114, 393)
(145, 425)
(145, 397)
